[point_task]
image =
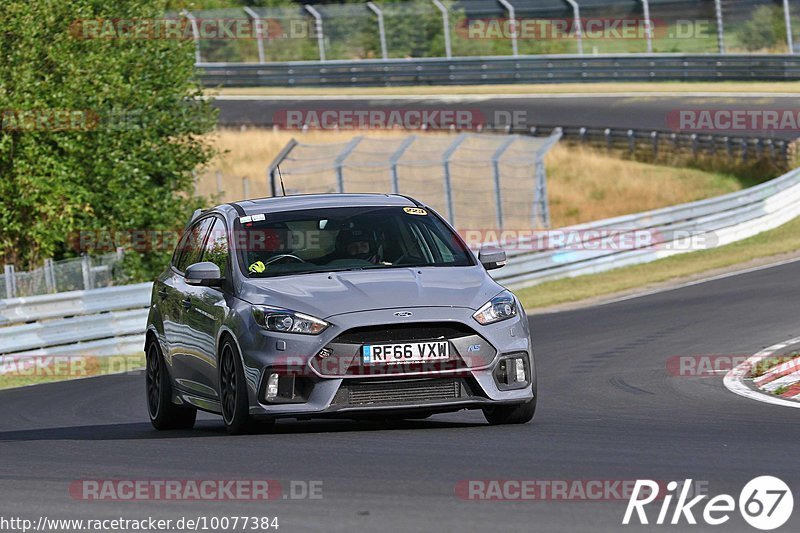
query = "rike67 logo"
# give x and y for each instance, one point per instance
(765, 503)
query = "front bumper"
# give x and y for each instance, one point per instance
(338, 384)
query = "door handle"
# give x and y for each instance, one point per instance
(187, 303)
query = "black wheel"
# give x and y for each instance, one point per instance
(511, 414)
(233, 393)
(163, 413)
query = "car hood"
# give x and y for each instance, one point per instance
(327, 294)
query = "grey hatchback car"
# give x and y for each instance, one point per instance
(333, 305)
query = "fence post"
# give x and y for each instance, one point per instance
(576, 14)
(541, 205)
(49, 276)
(512, 24)
(195, 35)
(318, 27)
(787, 15)
(273, 187)
(259, 24)
(609, 142)
(446, 22)
(654, 137)
(86, 270)
(381, 28)
(720, 26)
(11, 281)
(448, 190)
(339, 163)
(498, 195)
(395, 157)
(631, 142)
(648, 26)
(246, 187)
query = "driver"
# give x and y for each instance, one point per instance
(357, 243)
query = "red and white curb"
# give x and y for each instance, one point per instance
(786, 374)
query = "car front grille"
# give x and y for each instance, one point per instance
(400, 391)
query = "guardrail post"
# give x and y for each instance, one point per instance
(395, 157)
(576, 14)
(318, 28)
(512, 25)
(259, 25)
(744, 150)
(631, 142)
(648, 26)
(654, 138)
(86, 270)
(582, 135)
(339, 163)
(693, 137)
(381, 28)
(448, 190)
(498, 194)
(446, 22)
(195, 35)
(720, 26)
(607, 133)
(788, 21)
(49, 276)
(11, 281)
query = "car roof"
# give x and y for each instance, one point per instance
(278, 204)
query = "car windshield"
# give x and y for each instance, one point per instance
(325, 240)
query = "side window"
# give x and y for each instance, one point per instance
(216, 249)
(190, 249)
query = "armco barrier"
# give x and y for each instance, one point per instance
(503, 69)
(108, 321)
(726, 218)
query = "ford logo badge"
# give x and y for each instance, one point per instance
(403, 314)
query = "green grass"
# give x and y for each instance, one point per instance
(781, 240)
(48, 369)
(765, 365)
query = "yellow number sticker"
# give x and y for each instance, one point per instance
(415, 211)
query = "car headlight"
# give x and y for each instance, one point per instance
(501, 307)
(285, 321)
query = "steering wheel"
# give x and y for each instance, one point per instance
(285, 256)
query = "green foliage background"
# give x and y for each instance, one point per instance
(132, 170)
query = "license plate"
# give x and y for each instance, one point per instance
(399, 354)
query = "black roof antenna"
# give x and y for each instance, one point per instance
(283, 189)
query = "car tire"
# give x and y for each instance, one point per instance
(510, 414)
(163, 413)
(233, 395)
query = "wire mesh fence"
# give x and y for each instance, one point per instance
(477, 181)
(428, 28)
(80, 273)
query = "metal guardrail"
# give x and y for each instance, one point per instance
(502, 69)
(726, 219)
(108, 321)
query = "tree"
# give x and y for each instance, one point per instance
(99, 131)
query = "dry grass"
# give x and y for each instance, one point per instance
(584, 184)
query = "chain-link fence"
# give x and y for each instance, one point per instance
(445, 28)
(477, 181)
(79, 273)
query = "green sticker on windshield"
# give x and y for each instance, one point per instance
(257, 268)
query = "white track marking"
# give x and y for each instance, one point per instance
(734, 380)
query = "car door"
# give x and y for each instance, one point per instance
(207, 309)
(184, 347)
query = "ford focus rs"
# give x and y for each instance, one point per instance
(334, 305)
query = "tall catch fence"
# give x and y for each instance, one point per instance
(471, 28)
(476, 181)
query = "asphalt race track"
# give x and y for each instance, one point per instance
(608, 411)
(588, 110)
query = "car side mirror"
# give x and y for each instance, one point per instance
(205, 274)
(492, 258)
